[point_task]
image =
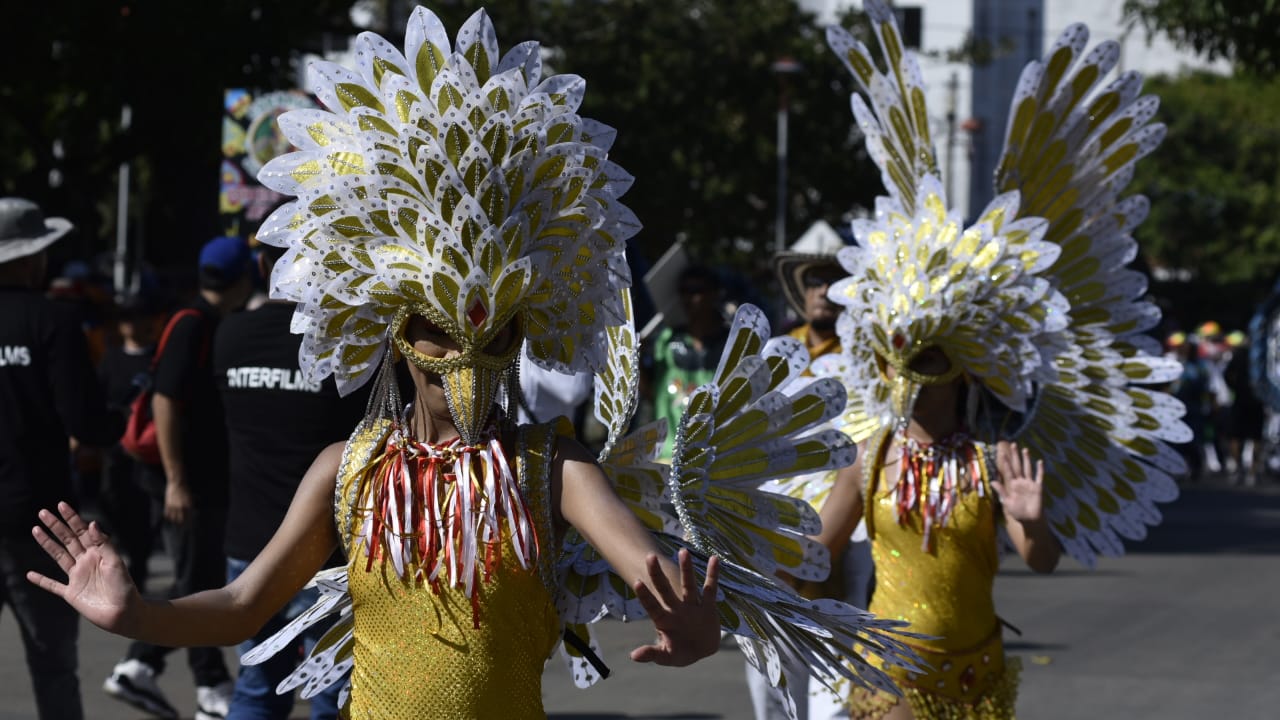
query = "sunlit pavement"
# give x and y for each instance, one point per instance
(1187, 626)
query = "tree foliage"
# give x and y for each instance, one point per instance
(1246, 32)
(70, 67)
(687, 83)
(1214, 184)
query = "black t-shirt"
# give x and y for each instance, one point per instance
(47, 392)
(121, 373)
(277, 421)
(184, 372)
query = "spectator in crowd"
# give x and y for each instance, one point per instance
(804, 276)
(1214, 356)
(255, 361)
(684, 357)
(48, 395)
(193, 448)
(1245, 417)
(805, 273)
(1192, 388)
(132, 496)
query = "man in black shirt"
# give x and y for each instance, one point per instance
(277, 423)
(193, 450)
(48, 393)
(132, 494)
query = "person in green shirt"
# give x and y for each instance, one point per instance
(685, 356)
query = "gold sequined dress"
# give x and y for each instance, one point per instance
(425, 651)
(944, 589)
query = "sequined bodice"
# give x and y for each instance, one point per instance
(945, 591)
(424, 651)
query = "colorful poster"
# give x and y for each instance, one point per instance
(250, 138)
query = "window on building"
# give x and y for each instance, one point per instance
(911, 21)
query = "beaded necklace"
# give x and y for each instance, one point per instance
(949, 466)
(429, 507)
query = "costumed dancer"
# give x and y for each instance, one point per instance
(1025, 326)
(805, 272)
(452, 207)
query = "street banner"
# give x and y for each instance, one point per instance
(251, 138)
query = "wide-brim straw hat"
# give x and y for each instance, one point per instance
(24, 230)
(817, 248)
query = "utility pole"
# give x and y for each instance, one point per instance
(953, 89)
(120, 269)
(782, 67)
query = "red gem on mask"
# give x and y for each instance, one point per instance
(477, 313)
(898, 341)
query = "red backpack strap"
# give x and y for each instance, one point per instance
(164, 337)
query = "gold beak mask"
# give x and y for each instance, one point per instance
(473, 375)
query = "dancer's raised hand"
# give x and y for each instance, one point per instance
(1021, 482)
(98, 583)
(686, 619)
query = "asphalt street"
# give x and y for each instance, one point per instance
(1184, 627)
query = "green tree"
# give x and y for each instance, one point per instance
(70, 67)
(1214, 184)
(1246, 32)
(688, 85)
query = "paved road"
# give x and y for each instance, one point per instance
(1187, 628)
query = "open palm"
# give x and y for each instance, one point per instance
(687, 620)
(98, 583)
(1021, 482)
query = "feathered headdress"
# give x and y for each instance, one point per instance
(457, 184)
(462, 188)
(1032, 302)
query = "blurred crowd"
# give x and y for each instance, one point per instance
(216, 368)
(1225, 415)
(157, 409)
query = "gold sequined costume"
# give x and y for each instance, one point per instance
(944, 592)
(453, 187)
(418, 653)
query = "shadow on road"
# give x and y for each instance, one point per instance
(618, 716)
(1015, 570)
(1217, 520)
(1021, 646)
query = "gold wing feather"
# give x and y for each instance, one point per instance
(1070, 150)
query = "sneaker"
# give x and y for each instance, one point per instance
(134, 682)
(214, 701)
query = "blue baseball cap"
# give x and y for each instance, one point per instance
(223, 260)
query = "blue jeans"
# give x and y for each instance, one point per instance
(198, 564)
(255, 695)
(49, 627)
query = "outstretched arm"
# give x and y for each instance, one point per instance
(1020, 487)
(98, 584)
(684, 614)
(843, 509)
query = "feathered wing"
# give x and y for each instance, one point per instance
(617, 383)
(896, 125)
(333, 655)
(1052, 321)
(1070, 150)
(455, 181)
(754, 422)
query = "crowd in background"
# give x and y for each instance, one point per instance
(1224, 413)
(221, 367)
(158, 409)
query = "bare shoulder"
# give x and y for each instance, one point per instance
(568, 449)
(325, 468)
(331, 456)
(852, 473)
